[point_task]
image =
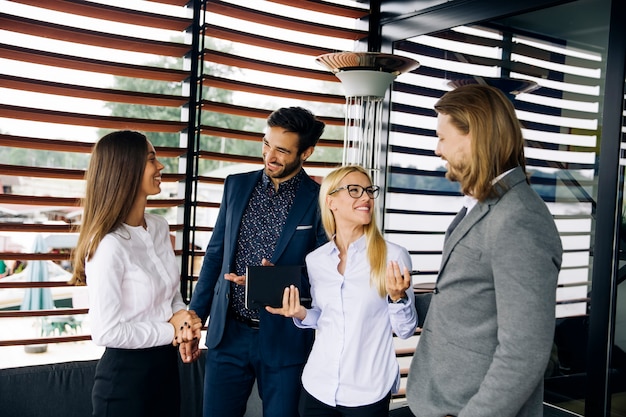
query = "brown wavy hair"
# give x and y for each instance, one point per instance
(497, 142)
(376, 246)
(113, 179)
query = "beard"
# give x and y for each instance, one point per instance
(456, 172)
(451, 175)
(287, 169)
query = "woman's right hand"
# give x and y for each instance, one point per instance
(291, 304)
(189, 351)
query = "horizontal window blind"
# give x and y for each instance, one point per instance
(71, 72)
(560, 127)
(200, 90)
(257, 57)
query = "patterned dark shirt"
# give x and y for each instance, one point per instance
(261, 226)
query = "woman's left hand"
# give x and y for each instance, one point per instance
(397, 283)
(291, 304)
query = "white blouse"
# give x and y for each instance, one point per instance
(353, 361)
(133, 283)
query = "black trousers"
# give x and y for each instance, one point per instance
(312, 407)
(137, 383)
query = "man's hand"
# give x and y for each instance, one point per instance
(237, 279)
(189, 351)
(241, 279)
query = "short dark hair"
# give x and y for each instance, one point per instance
(301, 121)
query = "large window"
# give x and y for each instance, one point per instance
(70, 72)
(198, 77)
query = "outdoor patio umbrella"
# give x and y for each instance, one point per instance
(37, 271)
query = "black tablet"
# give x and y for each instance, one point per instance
(265, 284)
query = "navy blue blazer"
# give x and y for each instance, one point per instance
(281, 342)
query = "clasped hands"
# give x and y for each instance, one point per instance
(187, 328)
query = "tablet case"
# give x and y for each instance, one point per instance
(265, 284)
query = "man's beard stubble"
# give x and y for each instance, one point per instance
(287, 170)
(456, 173)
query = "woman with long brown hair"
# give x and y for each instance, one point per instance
(125, 257)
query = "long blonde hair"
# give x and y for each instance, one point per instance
(113, 180)
(497, 142)
(376, 246)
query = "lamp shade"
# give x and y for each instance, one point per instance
(366, 74)
(365, 83)
(365, 77)
(372, 61)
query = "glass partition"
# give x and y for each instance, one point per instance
(564, 50)
(617, 380)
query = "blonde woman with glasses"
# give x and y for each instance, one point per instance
(361, 294)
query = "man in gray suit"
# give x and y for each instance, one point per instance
(489, 328)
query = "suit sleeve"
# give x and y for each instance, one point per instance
(320, 234)
(202, 297)
(526, 256)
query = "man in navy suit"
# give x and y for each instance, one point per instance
(266, 217)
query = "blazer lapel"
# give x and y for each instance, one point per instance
(241, 192)
(479, 211)
(305, 197)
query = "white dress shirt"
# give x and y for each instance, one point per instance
(133, 284)
(353, 360)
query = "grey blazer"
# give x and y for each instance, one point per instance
(489, 328)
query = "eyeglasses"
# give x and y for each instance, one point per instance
(356, 191)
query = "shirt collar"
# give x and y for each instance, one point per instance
(470, 202)
(291, 184)
(499, 177)
(359, 244)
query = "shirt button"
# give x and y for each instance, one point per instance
(436, 290)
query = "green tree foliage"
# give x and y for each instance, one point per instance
(208, 143)
(38, 158)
